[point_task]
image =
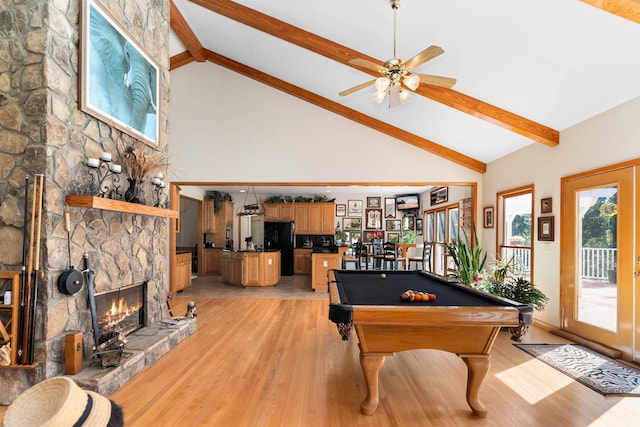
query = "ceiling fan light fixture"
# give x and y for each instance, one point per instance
(405, 96)
(412, 81)
(382, 83)
(379, 95)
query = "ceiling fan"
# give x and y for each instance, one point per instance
(396, 74)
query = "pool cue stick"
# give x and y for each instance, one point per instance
(36, 274)
(23, 284)
(27, 311)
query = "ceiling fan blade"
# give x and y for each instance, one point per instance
(364, 63)
(424, 56)
(357, 88)
(436, 80)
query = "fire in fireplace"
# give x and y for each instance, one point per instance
(121, 311)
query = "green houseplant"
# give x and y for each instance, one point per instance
(503, 283)
(468, 258)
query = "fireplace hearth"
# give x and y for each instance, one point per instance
(121, 311)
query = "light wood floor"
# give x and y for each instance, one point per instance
(271, 358)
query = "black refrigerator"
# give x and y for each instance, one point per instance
(279, 236)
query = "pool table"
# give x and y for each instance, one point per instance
(461, 320)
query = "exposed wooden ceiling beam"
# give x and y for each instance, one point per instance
(180, 59)
(343, 54)
(627, 9)
(183, 31)
(344, 111)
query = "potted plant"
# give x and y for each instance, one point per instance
(503, 283)
(338, 234)
(468, 258)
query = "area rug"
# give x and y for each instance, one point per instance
(595, 370)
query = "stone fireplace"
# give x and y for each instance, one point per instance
(43, 131)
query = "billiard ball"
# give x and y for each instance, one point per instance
(383, 276)
(432, 297)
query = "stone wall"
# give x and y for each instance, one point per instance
(43, 131)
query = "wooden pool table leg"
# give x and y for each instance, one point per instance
(477, 367)
(371, 364)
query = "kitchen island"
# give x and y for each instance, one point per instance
(251, 268)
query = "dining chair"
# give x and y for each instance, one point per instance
(390, 255)
(377, 254)
(354, 257)
(425, 260)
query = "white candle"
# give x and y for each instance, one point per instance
(116, 168)
(160, 175)
(106, 157)
(92, 163)
(155, 181)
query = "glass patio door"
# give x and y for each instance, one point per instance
(598, 267)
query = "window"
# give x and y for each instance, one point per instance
(516, 228)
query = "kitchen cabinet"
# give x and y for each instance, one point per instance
(302, 261)
(224, 220)
(301, 218)
(182, 272)
(278, 212)
(208, 217)
(314, 218)
(211, 261)
(320, 266)
(251, 268)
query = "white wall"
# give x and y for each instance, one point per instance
(609, 138)
(226, 127)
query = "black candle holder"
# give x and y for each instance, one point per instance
(101, 169)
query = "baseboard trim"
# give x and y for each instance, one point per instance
(611, 352)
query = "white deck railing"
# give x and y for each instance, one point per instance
(595, 263)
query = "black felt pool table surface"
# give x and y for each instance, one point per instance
(370, 288)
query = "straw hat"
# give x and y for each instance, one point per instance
(60, 402)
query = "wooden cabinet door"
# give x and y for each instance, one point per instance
(315, 218)
(328, 216)
(301, 261)
(271, 212)
(287, 211)
(208, 217)
(252, 271)
(301, 218)
(228, 213)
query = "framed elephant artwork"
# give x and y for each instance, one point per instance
(119, 81)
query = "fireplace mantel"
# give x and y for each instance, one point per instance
(118, 206)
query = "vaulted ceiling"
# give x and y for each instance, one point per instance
(525, 69)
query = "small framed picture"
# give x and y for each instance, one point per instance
(354, 208)
(355, 236)
(389, 207)
(439, 195)
(393, 225)
(374, 202)
(409, 223)
(419, 226)
(368, 236)
(545, 205)
(341, 210)
(545, 228)
(351, 224)
(393, 237)
(374, 219)
(488, 217)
